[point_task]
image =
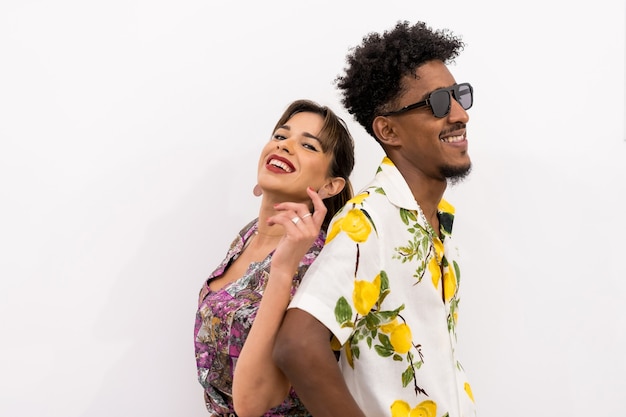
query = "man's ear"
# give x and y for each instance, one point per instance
(385, 130)
(332, 187)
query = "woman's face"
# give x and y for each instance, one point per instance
(293, 159)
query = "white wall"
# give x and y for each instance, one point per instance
(129, 132)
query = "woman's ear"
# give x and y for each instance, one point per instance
(332, 187)
(384, 129)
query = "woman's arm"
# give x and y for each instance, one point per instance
(258, 384)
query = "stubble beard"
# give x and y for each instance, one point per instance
(455, 174)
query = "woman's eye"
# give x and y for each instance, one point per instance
(279, 137)
(309, 146)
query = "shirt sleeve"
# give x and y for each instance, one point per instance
(328, 289)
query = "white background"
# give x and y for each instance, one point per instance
(129, 135)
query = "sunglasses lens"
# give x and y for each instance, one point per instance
(464, 96)
(440, 102)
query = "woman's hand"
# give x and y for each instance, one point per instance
(301, 229)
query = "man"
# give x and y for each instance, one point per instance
(385, 286)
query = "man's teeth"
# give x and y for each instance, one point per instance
(451, 139)
(280, 164)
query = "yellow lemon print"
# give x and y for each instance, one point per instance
(335, 344)
(438, 247)
(347, 349)
(435, 271)
(388, 328)
(468, 390)
(358, 199)
(445, 207)
(387, 161)
(449, 284)
(400, 408)
(401, 338)
(354, 223)
(365, 295)
(426, 408)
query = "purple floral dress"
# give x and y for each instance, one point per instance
(224, 318)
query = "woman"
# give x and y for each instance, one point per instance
(303, 177)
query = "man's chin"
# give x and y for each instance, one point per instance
(456, 174)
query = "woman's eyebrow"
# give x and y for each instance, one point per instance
(307, 134)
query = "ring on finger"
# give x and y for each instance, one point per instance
(295, 220)
(306, 215)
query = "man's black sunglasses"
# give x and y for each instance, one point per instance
(439, 100)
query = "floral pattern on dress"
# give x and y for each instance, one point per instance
(223, 321)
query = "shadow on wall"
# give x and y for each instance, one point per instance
(151, 308)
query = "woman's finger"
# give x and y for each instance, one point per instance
(299, 214)
(319, 209)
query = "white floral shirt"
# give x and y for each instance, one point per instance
(387, 288)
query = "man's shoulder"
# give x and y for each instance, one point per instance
(372, 200)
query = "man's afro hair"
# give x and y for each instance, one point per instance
(374, 70)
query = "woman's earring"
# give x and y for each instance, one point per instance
(257, 191)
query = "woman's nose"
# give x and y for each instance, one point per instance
(284, 145)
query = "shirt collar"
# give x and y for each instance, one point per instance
(395, 186)
(398, 192)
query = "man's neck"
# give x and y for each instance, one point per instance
(427, 191)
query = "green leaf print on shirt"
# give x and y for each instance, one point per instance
(419, 248)
(343, 313)
(429, 255)
(383, 330)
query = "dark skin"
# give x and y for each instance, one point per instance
(302, 351)
(419, 145)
